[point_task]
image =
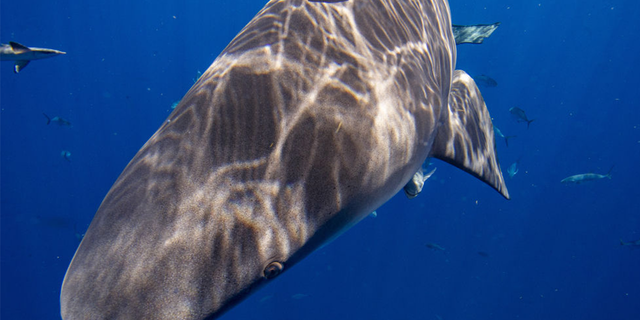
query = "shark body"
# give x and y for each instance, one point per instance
(313, 116)
(22, 55)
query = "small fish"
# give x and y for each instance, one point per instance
(299, 296)
(586, 177)
(514, 168)
(66, 155)
(630, 243)
(198, 77)
(373, 214)
(434, 246)
(485, 81)
(79, 235)
(499, 134)
(413, 188)
(520, 115)
(175, 104)
(266, 298)
(60, 121)
(483, 254)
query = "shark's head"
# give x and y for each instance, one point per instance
(314, 115)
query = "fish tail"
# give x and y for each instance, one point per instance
(608, 175)
(506, 139)
(622, 243)
(529, 122)
(48, 119)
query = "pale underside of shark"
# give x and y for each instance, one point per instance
(311, 118)
(22, 55)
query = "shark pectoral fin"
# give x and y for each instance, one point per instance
(18, 48)
(20, 64)
(473, 33)
(465, 136)
(327, 1)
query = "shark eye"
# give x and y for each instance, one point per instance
(272, 270)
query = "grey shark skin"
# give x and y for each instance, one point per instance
(311, 118)
(22, 55)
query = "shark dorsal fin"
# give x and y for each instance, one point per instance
(18, 48)
(465, 136)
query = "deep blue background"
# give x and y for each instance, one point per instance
(553, 249)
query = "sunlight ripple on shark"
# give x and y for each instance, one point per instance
(311, 118)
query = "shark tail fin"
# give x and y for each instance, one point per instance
(46, 116)
(622, 243)
(465, 135)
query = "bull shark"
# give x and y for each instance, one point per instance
(312, 117)
(22, 55)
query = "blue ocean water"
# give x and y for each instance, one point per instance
(552, 252)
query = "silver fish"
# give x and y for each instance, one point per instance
(434, 246)
(485, 81)
(66, 155)
(415, 185)
(513, 168)
(520, 115)
(501, 135)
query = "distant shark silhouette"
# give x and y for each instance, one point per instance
(22, 55)
(313, 116)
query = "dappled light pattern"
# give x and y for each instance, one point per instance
(311, 118)
(467, 139)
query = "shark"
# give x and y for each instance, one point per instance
(22, 55)
(312, 117)
(586, 177)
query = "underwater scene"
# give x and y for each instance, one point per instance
(332, 163)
